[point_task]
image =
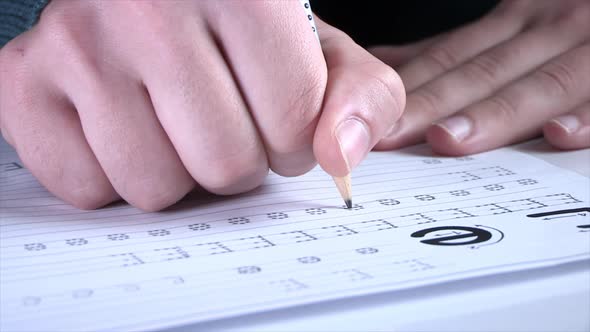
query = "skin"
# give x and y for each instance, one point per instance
(518, 72)
(148, 100)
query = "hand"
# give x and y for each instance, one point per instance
(521, 70)
(145, 100)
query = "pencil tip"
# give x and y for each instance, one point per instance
(348, 203)
(343, 185)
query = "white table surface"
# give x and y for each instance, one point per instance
(550, 299)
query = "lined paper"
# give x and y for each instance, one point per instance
(417, 220)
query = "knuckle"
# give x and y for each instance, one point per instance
(156, 19)
(484, 68)
(556, 78)
(151, 194)
(153, 202)
(505, 107)
(228, 177)
(91, 196)
(441, 57)
(426, 100)
(70, 42)
(59, 24)
(387, 80)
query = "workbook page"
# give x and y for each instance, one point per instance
(416, 220)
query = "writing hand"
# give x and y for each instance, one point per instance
(146, 100)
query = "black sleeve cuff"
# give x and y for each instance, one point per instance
(17, 16)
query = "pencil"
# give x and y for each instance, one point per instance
(343, 185)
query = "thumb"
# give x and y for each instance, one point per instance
(364, 98)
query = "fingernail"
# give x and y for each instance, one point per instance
(457, 126)
(353, 138)
(569, 123)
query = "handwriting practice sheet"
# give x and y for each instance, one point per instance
(417, 220)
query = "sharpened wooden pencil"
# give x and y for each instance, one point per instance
(343, 185)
